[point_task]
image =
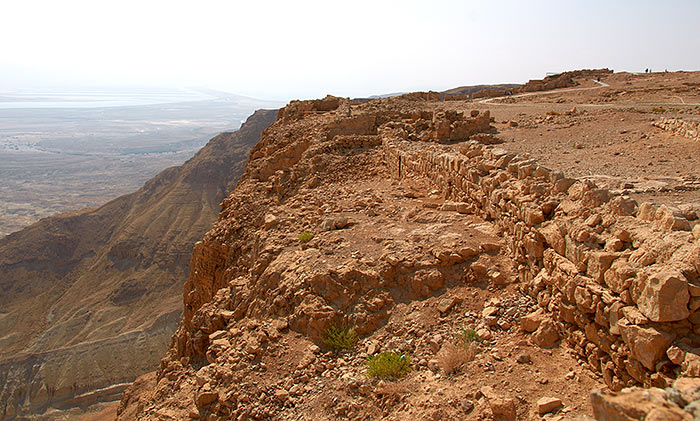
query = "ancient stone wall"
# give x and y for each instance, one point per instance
(680, 127)
(619, 279)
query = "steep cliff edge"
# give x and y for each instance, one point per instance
(89, 299)
(502, 281)
(390, 258)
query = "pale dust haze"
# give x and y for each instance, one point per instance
(303, 49)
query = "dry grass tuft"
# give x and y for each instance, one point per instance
(452, 357)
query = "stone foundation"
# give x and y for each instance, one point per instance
(619, 279)
(679, 127)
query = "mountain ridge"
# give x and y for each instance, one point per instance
(84, 278)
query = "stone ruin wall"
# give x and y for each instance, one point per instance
(679, 127)
(620, 280)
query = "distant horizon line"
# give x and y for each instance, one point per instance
(145, 89)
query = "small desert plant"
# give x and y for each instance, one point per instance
(467, 336)
(452, 356)
(340, 337)
(658, 110)
(388, 365)
(305, 237)
(578, 146)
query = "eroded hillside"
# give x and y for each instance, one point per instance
(89, 300)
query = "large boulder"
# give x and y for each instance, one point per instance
(664, 297)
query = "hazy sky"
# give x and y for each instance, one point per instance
(302, 49)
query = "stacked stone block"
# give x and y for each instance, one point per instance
(620, 280)
(680, 127)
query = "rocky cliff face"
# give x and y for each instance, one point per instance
(89, 299)
(400, 218)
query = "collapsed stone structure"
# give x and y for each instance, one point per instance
(621, 280)
(678, 126)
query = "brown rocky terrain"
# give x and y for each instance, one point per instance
(551, 82)
(89, 300)
(516, 252)
(466, 92)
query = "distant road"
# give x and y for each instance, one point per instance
(555, 91)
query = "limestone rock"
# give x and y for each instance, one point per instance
(665, 297)
(334, 223)
(270, 221)
(665, 219)
(532, 321)
(547, 404)
(546, 334)
(623, 205)
(648, 345)
(502, 408)
(206, 397)
(636, 404)
(598, 263)
(691, 363)
(524, 358)
(688, 387)
(620, 276)
(446, 304)
(281, 395)
(675, 355)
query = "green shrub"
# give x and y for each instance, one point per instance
(467, 336)
(388, 365)
(341, 337)
(658, 110)
(305, 237)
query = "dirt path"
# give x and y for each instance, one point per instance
(599, 85)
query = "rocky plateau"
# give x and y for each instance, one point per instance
(516, 289)
(524, 254)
